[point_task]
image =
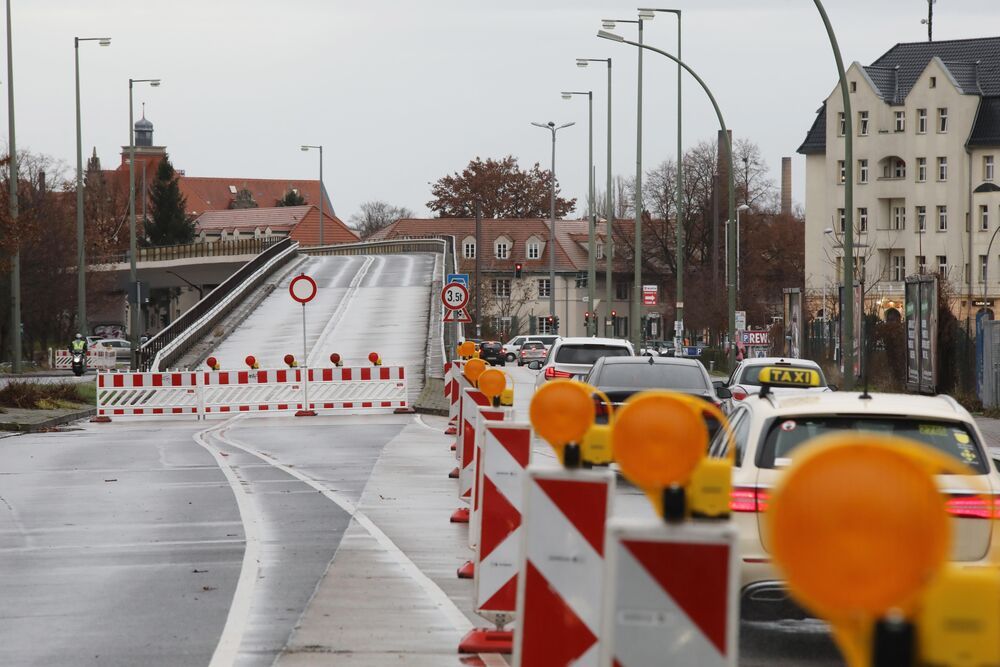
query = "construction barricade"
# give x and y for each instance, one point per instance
(210, 393)
(97, 359)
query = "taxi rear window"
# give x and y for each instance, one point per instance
(950, 438)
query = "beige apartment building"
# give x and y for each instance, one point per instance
(926, 141)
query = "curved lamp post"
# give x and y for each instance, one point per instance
(591, 219)
(322, 222)
(552, 127)
(731, 246)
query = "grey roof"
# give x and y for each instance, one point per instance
(986, 131)
(815, 143)
(974, 64)
(143, 123)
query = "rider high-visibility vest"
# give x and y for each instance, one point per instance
(78, 345)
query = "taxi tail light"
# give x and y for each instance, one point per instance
(748, 499)
(739, 394)
(551, 373)
(972, 507)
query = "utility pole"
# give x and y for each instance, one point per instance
(15, 260)
(479, 226)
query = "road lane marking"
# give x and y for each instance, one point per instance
(337, 315)
(433, 592)
(227, 649)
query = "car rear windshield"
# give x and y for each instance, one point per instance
(751, 374)
(533, 346)
(651, 376)
(588, 354)
(953, 439)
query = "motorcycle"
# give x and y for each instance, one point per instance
(79, 363)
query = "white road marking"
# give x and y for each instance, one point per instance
(335, 318)
(228, 646)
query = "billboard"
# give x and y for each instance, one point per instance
(650, 295)
(794, 333)
(921, 333)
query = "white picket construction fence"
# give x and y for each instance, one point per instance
(96, 359)
(209, 393)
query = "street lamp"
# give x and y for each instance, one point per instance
(609, 203)
(322, 222)
(679, 316)
(134, 311)
(591, 215)
(81, 254)
(739, 209)
(552, 127)
(731, 249)
(15, 259)
(201, 292)
(634, 324)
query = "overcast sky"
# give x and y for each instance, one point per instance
(401, 92)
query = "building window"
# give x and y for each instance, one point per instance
(854, 86)
(862, 171)
(942, 265)
(898, 168)
(899, 267)
(921, 219)
(544, 287)
(984, 218)
(543, 326)
(987, 167)
(502, 249)
(862, 219)
(842, 124)
(501, 287)
(862, 123)
(942, 172)
(469, 250)
(534, 250)
(621, 291)
(842, 170)
(599, 251)
(899, 217)
(942, 217)
(921, 169)
(983, 266)
(843, 220)
(933, 82)
(900, 121)
(942, 123)
(921, 121)
(921, 264)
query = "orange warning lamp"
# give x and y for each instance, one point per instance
(213, 363)
(466, 349)
(335, 359)
(374, 359)
(859, 529)
(472, 369)
(290, 360)
(492, 383)
(251, 361)
(561, 412)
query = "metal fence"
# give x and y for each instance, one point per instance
(194, 250)
(989, 389)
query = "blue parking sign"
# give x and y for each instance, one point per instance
(457, 278)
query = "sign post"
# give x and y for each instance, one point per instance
(303, 289)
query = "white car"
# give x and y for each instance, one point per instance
(513, 346)
(769, 429)
(744, 380)
(122, 348)
(574, 357)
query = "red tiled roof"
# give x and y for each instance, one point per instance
(214, 194)
(300, 222)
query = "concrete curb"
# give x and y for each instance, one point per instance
(34, 427)
(432, 400)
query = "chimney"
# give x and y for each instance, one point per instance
(786, 186)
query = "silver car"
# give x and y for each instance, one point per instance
(574, 357)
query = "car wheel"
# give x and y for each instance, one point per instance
(511, 357)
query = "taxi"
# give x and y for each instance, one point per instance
(769, 427)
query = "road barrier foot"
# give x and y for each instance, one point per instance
(461, 515)
(454, 447)
(404, 411)
(451, 430)
(305, 413)
(481, 640)
(467, 571)
(453, 474)
(101, 419)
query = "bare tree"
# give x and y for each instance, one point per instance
(376, 215)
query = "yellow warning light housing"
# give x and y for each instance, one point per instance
(710, 490)
(959, 620)
(507, 397)
(786, 376)
(561, 412)
(596, 446)
(472, 369)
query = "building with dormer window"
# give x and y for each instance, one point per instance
(926, 196)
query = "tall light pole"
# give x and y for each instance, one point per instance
(739, 209)
(321, 220)
(134, 287)
(15, 260)
(732, 193)
(552, 127)
(591, 214)
(679, 261)
(609, 201)
(81, 253)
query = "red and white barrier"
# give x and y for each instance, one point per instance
(453, 380)
(559, 590)
(483, 417)
(472, 399)
(209, 393)
(671, 595)
(147, 394)
(97, 359)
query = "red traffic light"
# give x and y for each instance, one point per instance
(614, 313)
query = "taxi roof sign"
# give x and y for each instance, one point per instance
(786, 376)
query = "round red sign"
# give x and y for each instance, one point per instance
(302, 288)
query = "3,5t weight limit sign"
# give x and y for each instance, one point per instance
(455, 296)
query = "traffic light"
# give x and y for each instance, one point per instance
(614, 321)
(517, 269)
(556, 325)
(586, 320)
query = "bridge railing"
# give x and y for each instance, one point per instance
(383, 247)
(168, 344)
(192, 250)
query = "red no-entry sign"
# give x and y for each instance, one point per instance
(302, 288)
